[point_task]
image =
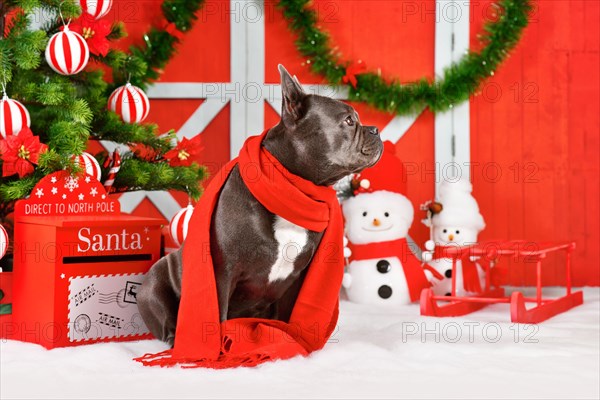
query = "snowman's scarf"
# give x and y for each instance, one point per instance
(470, 275)
(200, 339)
(414, 274)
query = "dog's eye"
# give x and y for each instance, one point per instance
(349, 121)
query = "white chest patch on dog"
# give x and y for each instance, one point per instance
(291, 240)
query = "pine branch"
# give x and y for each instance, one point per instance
(67, 111)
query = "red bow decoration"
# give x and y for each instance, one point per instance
(356, 68)
(172, 30)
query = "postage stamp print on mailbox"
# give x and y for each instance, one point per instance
(104, 306)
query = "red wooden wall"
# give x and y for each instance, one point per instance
(538, 121)
(534, 127)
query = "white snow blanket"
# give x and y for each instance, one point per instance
(374, 353)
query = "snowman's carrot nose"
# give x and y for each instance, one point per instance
(451, 236)
(376, 222)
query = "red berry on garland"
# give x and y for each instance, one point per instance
(178, 227)
(96, 8)
(130, 103)
(89, 164)
(13, 117)
(3, 241)
(67, 52)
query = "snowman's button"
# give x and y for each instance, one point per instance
(383, 266)
(385, 292)
(448, 273)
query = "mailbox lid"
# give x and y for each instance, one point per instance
(69, 221)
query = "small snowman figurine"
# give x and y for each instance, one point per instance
(454, 220)
(382, 268)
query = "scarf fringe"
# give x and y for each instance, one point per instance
(162, 359)
(165, 359)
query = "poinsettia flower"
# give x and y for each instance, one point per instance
(184, 153)
(20, 152)
(94, 32)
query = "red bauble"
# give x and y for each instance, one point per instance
(96, 8)
(67, 52)
(130, 103)
(89, 164)
(178, 227)
(13, 117)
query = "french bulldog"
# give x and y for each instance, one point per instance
(319, 139)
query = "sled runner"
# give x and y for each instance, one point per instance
(490, 252)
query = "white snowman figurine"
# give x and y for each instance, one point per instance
(455, 221)
(382, 268)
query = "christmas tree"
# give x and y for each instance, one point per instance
(57, 83)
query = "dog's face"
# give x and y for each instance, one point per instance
(323, 137)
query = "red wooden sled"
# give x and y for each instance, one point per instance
(534, 252)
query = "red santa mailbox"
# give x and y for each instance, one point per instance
(79, 264)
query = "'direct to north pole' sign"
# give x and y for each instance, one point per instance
(79, 264)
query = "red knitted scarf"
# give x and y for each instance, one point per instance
(470, 275)
(200, 339)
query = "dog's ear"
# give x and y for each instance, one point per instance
(293, 96)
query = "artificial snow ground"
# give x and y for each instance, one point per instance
(379, 353)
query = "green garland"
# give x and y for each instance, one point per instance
(457, 84)
(159, 42)
(67, 111)
(459, 81)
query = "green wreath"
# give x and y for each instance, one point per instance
(145, 63)
(458, 83)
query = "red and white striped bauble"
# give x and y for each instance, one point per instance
(13, 117)
(67, 52)
(3, 241)
(130, 102)
(89, 164)
(96, 8)
(178, 227)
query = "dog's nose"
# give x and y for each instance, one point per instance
(376, 222)
(373, 130)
